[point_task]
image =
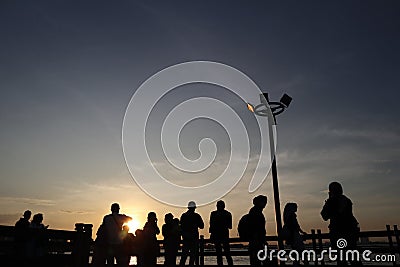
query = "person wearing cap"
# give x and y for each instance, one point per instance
(338, 209)
(220, 223)
(191, 222)
(22, 235)
(113, 227)
(258, 233)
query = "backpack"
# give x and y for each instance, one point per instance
(244, 228)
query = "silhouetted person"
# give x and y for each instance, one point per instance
(113, 227)
(100, 248)
(220, 223)
(172, 237)
(257, 233)
(140, 247)
(38, 242)
(127, 244)
(293, 229)
(190, 224)
(338, 209)
(22, 236)
(151, 247)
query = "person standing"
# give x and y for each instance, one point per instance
(38, 242)
(191, 222)
(338, 209)
(127, 244)
(172, 237)
(113, 228)
(257, 238)
(220, 223)
(22, 236)
(151, 247)
(100, 247)
(293, 230)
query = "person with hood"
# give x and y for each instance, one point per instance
(149, 238)
(292, 229)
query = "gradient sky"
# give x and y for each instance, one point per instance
(69, 68)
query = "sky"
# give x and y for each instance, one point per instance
(68, 70)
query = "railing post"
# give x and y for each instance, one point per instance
(81, 250)
(320, 247)
(87, 229)
(389, 235)
(314, 244)
(78, 242)
(201, 243)
(396, 234)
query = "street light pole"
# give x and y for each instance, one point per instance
(278, 216)
(262, 110)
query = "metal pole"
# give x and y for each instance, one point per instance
(274, 169)
(277, 203)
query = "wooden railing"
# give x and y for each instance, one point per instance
(387, 242)
(74, 248)
(63, 248)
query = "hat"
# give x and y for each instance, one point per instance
(192, 204)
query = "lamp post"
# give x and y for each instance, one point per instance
(276, 109)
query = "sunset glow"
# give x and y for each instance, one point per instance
(133, 225)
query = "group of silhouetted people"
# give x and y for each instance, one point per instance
(30, 238)
(338, 209)
(114, 243)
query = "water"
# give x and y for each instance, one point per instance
(208, 260)
(244, 260)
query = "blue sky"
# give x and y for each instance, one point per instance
(69, 68)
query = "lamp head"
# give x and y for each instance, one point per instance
(262, 96)
(286, 100)
(250, 107)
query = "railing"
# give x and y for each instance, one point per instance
(64, 248)
(388, 244)
(74, 248)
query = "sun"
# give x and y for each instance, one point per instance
(133, 225)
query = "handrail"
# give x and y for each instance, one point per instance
(77, 245)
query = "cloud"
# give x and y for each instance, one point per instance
(108, 186)
(77, 212)
(382, 136)
(30, 201)
(9, 218)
